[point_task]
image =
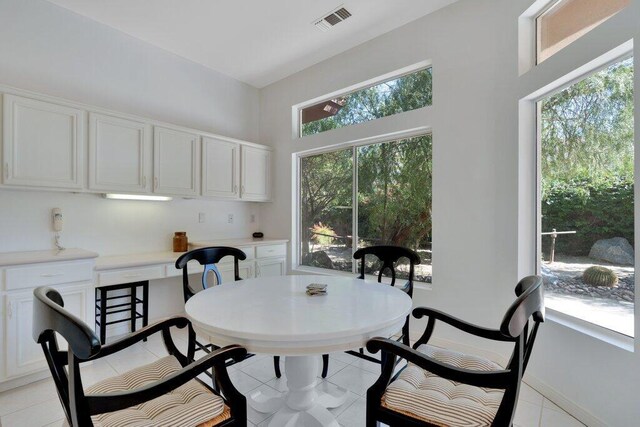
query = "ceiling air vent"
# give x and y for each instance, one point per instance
(333, 18)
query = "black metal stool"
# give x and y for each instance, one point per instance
(103, 309)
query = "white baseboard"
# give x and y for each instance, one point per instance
(532, 381)
(27, 379)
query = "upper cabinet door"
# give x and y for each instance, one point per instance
(220, 168)
(256, 174)
(43, 144)
(119, 154)
(176, 162)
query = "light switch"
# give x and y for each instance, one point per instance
(202, 217)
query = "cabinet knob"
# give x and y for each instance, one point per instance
(155, 183)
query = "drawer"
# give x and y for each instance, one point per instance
(129, 275)
(193, 268)
(47, 274)
(248, 250)
(267, 251)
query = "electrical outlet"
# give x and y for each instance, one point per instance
(202, 217)
(252, 218)
(230, 219)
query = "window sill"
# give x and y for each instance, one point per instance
(325, 272)
(598, 332)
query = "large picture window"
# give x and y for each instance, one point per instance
(587, 198)
(367, 195)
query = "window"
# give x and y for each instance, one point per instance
(367, 195)
(587, 200)
(567, 20)
(384, 99)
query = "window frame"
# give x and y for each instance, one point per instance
(394, 75)
(296, 231)
(530, 245)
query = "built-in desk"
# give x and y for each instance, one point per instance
(76, 272)
(265, 257)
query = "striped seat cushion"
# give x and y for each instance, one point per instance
(191, 404)
(423, 395)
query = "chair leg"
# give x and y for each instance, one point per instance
(405, 335)
(103, 315)
(325, 365)
(276, 366)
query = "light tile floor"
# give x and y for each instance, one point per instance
(37, 404)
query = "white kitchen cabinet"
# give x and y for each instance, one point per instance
(43, 144)
(119, 154)
(220, 168)
(21, 353)
(255, 173)
(271, 260)
(176, 162)
(70, 272)
(271, 267)
(227, 271)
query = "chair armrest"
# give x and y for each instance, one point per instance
(491, 379)
(492, 334)
(139, 335)
(109, 402)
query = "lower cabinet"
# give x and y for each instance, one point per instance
(271, 267)
(21, 353)
(227, 271)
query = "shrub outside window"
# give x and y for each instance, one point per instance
(368, 195)
(587, 198)
(401, 94)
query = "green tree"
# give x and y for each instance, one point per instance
(402, 94)
(587, 129)
(394, 192)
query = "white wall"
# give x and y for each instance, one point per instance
(50, 50)
(474, 118)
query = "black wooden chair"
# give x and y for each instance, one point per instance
(164, 392)
(439, 387)
(388, 257)
(209, 257)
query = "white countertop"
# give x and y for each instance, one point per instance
(136, 260)
(167, 257)
(237, 242)
(35, 257)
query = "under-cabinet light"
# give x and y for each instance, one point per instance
(137, 197)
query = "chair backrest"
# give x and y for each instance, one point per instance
(208, 257)
(528, 305)
(49, 317)
(389, 256)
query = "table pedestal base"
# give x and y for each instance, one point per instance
(305, 404)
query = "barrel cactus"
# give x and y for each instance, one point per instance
(599, 276)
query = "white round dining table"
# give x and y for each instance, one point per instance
(274, 315)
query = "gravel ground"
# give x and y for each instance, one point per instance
(564, 276)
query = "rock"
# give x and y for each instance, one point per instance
(318, 259)
(616, 250)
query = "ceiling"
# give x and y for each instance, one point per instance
(255, 41)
